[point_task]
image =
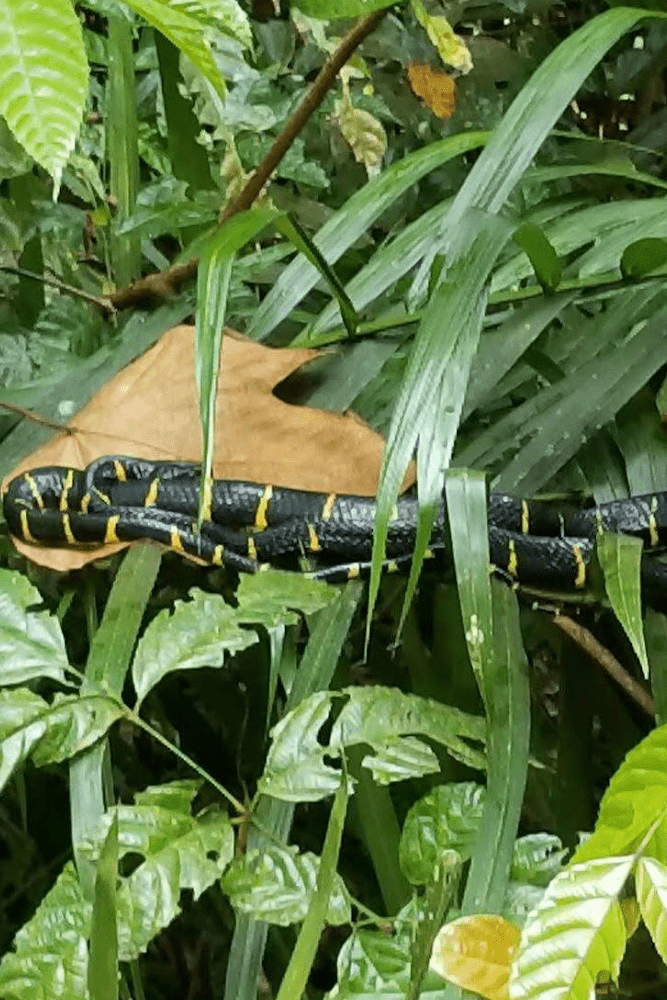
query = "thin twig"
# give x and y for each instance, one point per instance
(587, 641)
(35, 418)
(102, 302)
(161, 285)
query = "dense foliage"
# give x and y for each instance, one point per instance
(216, 787)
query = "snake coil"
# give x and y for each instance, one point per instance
(248, 526)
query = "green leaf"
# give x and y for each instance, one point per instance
(198, 633)
(634, 802)
(331, 10)
(213, 276)
(276, 884)
(547, 430)
(107, 665)
(43, 78)
(546, 263)
(465, 494)
(202, 631)
(51, 951)
(273, 598)
(329, 629)
(537, 858)
(296, 976)
(445, 819)
(651, 889)
(376, 964)
(291, 228)
(122, 145)
(352, 221)
(103, 960)
(31, 642)
(576, 933)
(508, 739)
(30, 727)
(186, 33)
(429, 404)
(620, 557)
(643, 256)
(223, 15)
(296, 767)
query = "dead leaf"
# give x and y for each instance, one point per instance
(150, 410)
(436, 88)
(476, 953)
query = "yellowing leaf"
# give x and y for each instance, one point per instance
(363, 133)
(436, 88)
(476, 953)
(451, 48)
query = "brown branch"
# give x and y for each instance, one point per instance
(587, 641)
(158, 287)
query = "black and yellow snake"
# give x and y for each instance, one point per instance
(249, 525)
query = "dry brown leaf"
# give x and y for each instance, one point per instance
(436, 88)
(150, 410)
(476, 953)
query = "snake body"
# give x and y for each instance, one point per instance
(248, 525)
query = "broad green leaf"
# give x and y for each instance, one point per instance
(31, 642)
(445, 819)
(180, 851)
(331, 10)
(620, 557)
(201, 632)
(651, 889)
(537, 858)
(476, 953)
(276, 884)
(643, 256)
(198, 633)
(634, 802)
(50, 959)
(31, 727)
(185, 31)
(103, 959)
(43, 78)
(546, 263)
(576, 933)
(223, 15)
(296, 767)
(373, 964)
(400, 758)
